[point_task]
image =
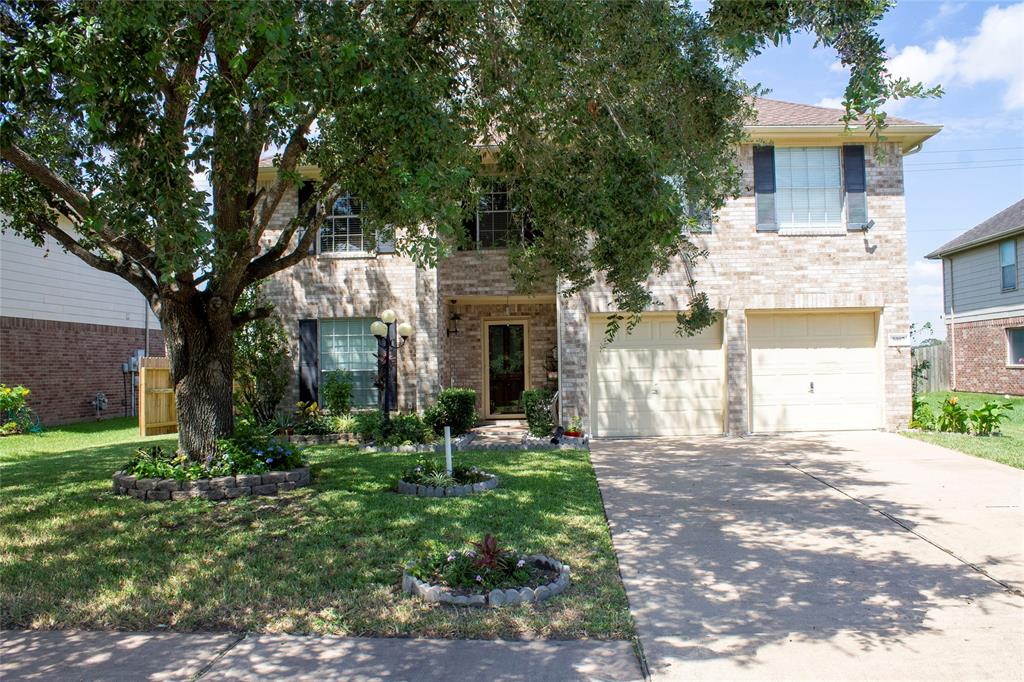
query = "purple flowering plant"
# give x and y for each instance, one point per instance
(486, 567)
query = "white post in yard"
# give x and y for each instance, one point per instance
(448, 449)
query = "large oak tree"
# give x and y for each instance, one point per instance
(615, 122)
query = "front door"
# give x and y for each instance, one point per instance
(506, 371)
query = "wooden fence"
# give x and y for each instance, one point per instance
(157, 413)
(936, 377)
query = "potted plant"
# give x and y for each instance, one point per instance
(575, 428)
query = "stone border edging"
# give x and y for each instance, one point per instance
(406, 488)
(523, 595)
(322, 439)
(217, 488)
(564, 443)
(458, 443)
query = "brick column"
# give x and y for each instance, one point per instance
(736, 422)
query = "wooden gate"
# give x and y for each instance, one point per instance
(936, 377)
(157, 413)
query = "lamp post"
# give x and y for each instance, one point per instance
(387, 349)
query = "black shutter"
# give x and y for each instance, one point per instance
(309, 362)
(305, 192)
(855, 180)
(764, 188)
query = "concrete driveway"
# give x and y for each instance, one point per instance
(854, 556)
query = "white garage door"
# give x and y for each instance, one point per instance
(654, 382)
(814, 372)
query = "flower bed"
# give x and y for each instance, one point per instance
(215, 488)
(485, 576)
(431, 479)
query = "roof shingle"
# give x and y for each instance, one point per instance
(773, 112)
(1008, 221)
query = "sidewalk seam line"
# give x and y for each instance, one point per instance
(1009, 588)
(216, 659)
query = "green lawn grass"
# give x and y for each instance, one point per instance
(324, 559)
(1007, 450)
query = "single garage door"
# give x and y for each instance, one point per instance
(814, 372)
(654, 382)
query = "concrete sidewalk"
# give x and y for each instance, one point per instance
(71, 655)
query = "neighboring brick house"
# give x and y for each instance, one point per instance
(983, 299)
(66, 329)
(807, 265)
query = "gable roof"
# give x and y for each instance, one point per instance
(774, 112)
(1007, 222)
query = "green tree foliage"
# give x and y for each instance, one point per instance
(608, 119)
(262, 362)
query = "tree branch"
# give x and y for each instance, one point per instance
(289, 159)
(39, 172)
(251, 314)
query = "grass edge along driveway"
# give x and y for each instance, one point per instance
(321, 560)
(1008, 449)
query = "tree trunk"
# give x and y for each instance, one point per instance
(200, 347)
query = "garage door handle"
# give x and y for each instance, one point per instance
(812, 387)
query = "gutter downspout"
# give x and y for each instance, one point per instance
(558, 340)
(952, 326)
(145, 313)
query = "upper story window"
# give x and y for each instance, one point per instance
(806, 189)
(496, 222)
(1008, 264)
(809, 187)
(342, 231)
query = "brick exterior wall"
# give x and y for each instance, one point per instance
(980, 357)
(64, 364)
(748, 270)
(463, 353)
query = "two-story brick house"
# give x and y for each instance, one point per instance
(807, 265)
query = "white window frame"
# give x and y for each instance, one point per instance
(785, 223)
(336, 219)
(328, 327)
(1012, 243)
(497, 188)
(1010, 360)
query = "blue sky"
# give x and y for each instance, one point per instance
(975, 50)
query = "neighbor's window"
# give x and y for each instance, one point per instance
(348, 344)
(493, 218)
(1008, 263)
(342, 231)
(1015, 346)
(809, 187)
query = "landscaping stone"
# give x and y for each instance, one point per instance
(218, 488)
(478, 600)
(295, 475)
(211, 494)
(180, 495)
(137, 494)
(198, 484)
(496, 597)
(512, 597)
(238, 491)
(248, 480)
(267, 489)
(158, 494)
(222, 482)
(146, 483)
(527, 595)
(287, 485)
(168, 484)
(542, 592)
(275, 477)
(461, 600)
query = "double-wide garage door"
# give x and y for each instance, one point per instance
(814, 372)
(654, 382)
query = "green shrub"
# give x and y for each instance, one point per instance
(953, 417)
(425, 471)
(456, 407)
(262, 366)
(404, 429)
(13, 399)
(537, 404)
(310, 420)
(987, 418)
(15, 414)
(337, 391)
(923, 417)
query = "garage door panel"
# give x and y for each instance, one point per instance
(812, 372)
(656, 383)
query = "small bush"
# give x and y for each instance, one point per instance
(252, 450)
(309, 420)
(456, 407)
(427, 472)
(923, 417)
(15, 414)
(337, 391)
(987, 418)
(13, 399)
(405, 429)
(486, 567)
(262, 364)
(537, 403)
(953, 417)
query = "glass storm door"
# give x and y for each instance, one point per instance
(506, 368)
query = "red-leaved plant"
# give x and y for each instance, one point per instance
(490, 555)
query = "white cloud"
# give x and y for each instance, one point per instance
(994, 53)
(837, 67)
(946, 10)
(830, 102)
(925, 283)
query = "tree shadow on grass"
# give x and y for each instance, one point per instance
(321, 559)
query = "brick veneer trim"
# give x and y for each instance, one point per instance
(64, 364)
(980, 357)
